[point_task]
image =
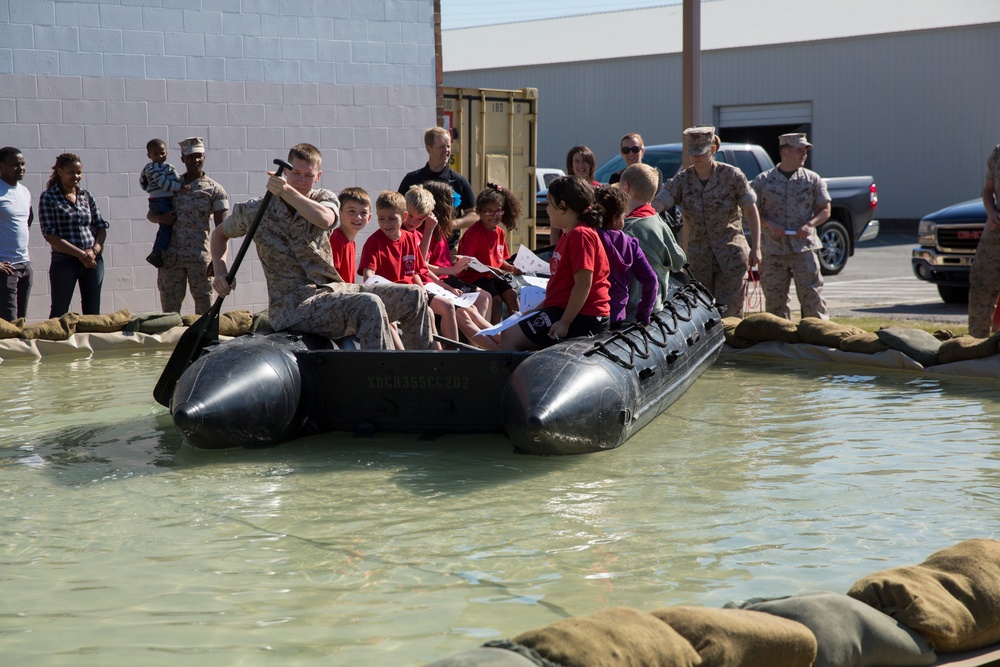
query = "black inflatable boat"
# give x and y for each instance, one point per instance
(583, 395)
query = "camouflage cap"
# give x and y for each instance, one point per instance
(192, 145)
(699, 139)
(795, 140)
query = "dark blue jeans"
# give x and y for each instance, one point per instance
(65, 272)
(14, 292)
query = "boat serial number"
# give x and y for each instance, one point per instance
(419, 382)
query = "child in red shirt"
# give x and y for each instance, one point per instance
(394, 254)
(355, 212)
(577, 299)
(421, 219)
(486, 241)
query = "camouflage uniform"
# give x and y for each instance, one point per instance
(187, 258)
(984, 277)
(305, 292)
(791, 202)
(718, 254)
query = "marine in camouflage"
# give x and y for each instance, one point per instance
(187, 258)
(984, 277)
(718, 253)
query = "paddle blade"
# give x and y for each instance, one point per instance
(201, 334)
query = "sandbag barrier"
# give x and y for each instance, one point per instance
(890, 347)
(902, 616)
(78, 335)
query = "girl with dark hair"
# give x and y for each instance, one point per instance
(576, 299)
(630, 270)
(72, 225)
(486, 241)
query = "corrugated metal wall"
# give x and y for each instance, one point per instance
(918, 111)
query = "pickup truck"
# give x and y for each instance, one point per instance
(947, 242)
(852, 211)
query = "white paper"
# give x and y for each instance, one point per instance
(459, 300)
(529, 262)
(376, 279)
(476, 265)
(537, 281)
(531, 296)
(506, 324)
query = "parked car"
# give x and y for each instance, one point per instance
(947, 242)
(853, 207)
(545, 175)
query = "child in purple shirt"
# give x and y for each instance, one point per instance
(625, 257)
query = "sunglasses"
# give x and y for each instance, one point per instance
(630, 149)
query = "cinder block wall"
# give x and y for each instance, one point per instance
(99, 78)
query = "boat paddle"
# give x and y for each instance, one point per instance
(205, 331)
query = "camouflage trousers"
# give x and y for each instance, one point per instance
(725, 277)
(365, 311)
(984, 286)
(776, 274)
(173, 281)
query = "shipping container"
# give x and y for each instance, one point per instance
(494, 140)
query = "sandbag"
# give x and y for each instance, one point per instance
(116, 321)
(740, 638)
(964, 348)
(57, 328)
(154, 323)
(863, 343)
(817, 331)
(917, 344)
(235, 322)
(188, 319)
(618, 636)
(729, 325)
(11, 329)
(952, 598)
(848, 632)
(761, 327)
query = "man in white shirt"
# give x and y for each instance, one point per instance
(16, 216)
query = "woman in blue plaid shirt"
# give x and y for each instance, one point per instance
(73, 226)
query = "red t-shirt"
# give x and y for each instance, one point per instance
(580, 249)
(397, 260)
(643, 211)
(344, 255)
(486, 245)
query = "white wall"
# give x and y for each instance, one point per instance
(918, 111)
(99, 78)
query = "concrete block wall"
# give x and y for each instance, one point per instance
(99, 78)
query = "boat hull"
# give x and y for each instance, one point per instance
(583, 395)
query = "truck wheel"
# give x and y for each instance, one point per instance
(953, 293)
(834, 250)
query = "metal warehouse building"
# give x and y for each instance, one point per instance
(904, 91)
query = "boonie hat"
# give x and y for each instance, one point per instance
(192, 145)
(699, 139)
(795, 140)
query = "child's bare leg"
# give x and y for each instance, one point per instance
(444, 309)
(394, 334)
(510, 300)
(484, 304)
(470, 323)
(513, 339)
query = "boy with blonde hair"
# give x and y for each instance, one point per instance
(394, 254)
(664, 254)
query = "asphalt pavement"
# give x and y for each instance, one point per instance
(878, 282)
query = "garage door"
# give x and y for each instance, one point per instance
(795, 113)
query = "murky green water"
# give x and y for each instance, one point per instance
(118, 546)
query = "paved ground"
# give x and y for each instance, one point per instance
(878, 282)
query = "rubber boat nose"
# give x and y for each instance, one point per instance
(188, 416)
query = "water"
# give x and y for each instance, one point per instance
(118, 546)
